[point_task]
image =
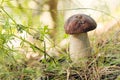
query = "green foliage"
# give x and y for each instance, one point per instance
(13, 62)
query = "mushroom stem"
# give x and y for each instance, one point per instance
(79, 47)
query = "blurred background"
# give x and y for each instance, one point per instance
(30, 28)
(53, 14)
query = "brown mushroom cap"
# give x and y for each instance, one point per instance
(79, 23)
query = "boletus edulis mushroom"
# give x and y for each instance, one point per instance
(77, 26)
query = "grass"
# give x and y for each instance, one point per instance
(105, 64)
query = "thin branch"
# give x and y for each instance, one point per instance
(35, 47)
(8, 15)
(44, 49)
(66, 10)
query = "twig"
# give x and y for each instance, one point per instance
(8, 15)
(44, 50)
(68, 73)
(35, 47)
(84, 8)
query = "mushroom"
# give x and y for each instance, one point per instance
(77, 26)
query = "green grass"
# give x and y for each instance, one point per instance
(14, 64)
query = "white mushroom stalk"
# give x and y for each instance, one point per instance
(77, 26)
(79, 47)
